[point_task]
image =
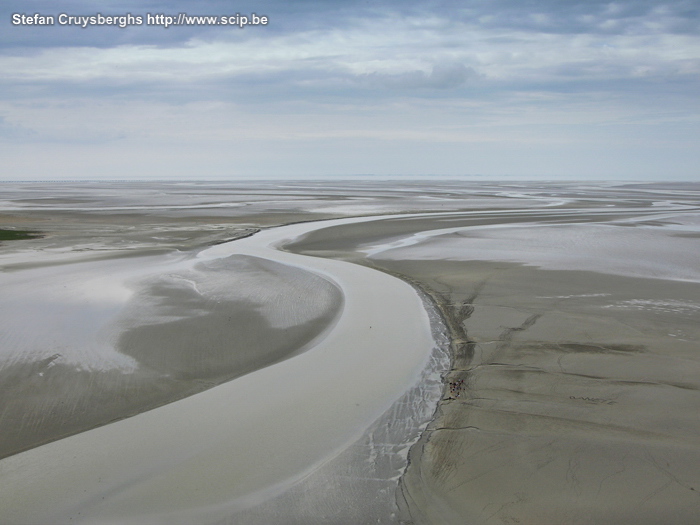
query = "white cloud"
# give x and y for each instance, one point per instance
(412, 51)
(439, 93)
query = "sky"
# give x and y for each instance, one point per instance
(492, 89)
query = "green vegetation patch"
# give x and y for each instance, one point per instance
(14, 235)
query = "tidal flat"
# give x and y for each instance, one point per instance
(570, 312)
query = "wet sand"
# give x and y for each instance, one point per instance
(573, 402)
(104, 349)
(573, 394)
(571, 397)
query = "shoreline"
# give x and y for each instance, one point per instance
(460, 350)
(345, 490)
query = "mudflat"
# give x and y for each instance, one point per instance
(573, 391)
(572, 398)
(572, 312)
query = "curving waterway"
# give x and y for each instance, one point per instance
(227, 450)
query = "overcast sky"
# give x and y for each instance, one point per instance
(555, 89)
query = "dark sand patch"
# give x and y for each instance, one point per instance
(13, 235)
